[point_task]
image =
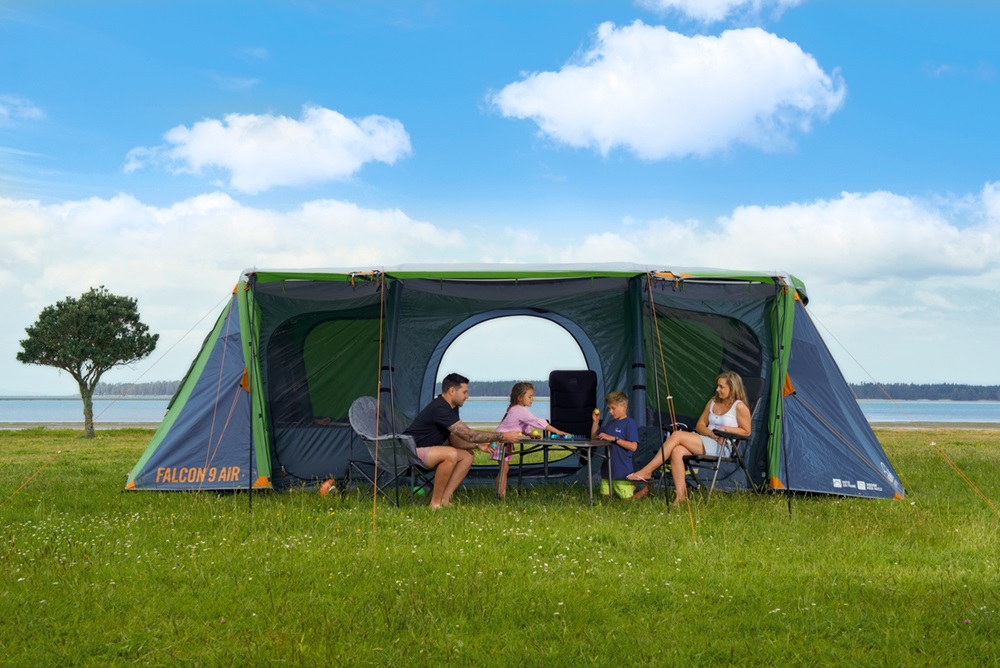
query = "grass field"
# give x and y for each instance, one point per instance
(92, 575)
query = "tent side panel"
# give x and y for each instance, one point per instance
(204, 442)
(828, 444)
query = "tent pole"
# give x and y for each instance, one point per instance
(656, 384)
(251, 280)
(250, 479)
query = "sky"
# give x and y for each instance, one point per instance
(160, 148)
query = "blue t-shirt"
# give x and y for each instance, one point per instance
(621, 459)
(430, 427)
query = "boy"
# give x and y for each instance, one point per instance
(623, 433)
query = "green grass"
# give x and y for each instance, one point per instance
(95, 576)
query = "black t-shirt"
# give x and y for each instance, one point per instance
(430, 427)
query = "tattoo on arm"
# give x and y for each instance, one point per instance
(463, 431)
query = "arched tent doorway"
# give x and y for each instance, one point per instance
(562, 329)
(512, 344)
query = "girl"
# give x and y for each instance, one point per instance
(519, 417)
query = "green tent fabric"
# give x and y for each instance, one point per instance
(265, 403)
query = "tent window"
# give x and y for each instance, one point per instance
(319, 366)
(696, 348)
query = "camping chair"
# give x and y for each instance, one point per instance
(732, 453)
(394, 453)
(572, 399)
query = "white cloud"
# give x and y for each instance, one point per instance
(15, 108)
(900, 290)
(981, 71)
(179, 261)
(902, 284)
(253, 54)
(660, 94)
(263, 151)
(711, 11)
(857, 238)
(236, 84)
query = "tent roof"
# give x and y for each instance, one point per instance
(502, 271)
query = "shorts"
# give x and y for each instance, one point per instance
(500, 451)
(624, 489)
(422, 455)
(712, 447)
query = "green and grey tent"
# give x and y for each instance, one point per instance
(265, 402)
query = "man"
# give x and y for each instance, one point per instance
(445, 443)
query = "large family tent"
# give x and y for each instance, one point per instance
(265, 403)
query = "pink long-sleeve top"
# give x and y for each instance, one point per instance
(519, 418)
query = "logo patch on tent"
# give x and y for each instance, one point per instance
(197, 474)
(860, 485)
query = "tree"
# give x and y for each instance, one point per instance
(86, 337)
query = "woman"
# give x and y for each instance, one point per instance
(726, 410)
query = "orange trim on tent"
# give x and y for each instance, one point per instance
(897, 496)
(245, 381)
(789, 388)
(777, 484)
(670, 274)
(130, 485)
(262, 482)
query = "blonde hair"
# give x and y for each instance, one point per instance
(518, 391)
(616, 397)
(735, 384)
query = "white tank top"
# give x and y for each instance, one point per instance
(726, 420)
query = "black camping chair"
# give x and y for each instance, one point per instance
(572, 399)
(732, 453)
(394, 453)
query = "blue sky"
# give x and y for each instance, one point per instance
(160, 148)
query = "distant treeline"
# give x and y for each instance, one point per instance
(159, 388)
(501, 388)
(935, 392)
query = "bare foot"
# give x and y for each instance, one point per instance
(637, 477)
(641, 493)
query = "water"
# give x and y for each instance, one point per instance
(69, 410)
(150, 410)
(883, 410)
